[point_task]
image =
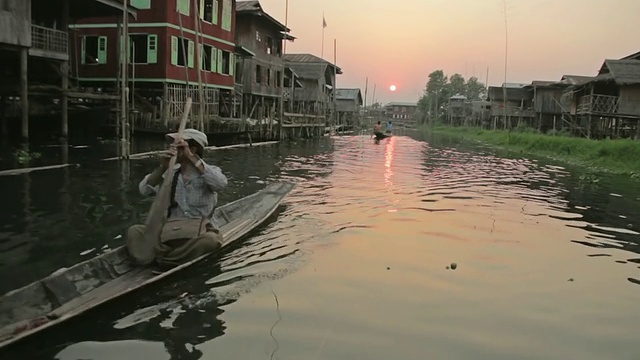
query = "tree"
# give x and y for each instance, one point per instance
(457, 85)
(475, 90)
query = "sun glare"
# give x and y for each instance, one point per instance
(392, 88)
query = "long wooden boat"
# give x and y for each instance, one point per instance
(70, 292)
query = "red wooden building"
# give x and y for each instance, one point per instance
(177, 48)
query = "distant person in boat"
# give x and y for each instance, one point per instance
(188, 232)
(377, 131)
(389, 127)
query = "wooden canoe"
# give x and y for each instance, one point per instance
(71, 291)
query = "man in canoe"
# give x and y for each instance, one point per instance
(377, 131)
(188, 232)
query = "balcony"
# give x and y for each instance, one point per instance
(511, 110)
(49, 43)
(598, 105)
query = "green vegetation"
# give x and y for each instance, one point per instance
(432, 106)
(614, 156)
(24, 156)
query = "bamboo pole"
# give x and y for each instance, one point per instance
(158, 211)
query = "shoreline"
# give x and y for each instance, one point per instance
(620, 157)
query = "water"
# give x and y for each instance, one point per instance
(356, 263)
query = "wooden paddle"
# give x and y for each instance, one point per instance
(158, 212)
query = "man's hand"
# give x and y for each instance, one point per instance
(183, 148)
(165, 157)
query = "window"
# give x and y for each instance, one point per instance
(182, 51)
(268, 77)
(209, 11)
(258, 74)
(141, 4)
(258, 38)
(278, 78)
(143, 49)
(208, 56)
(94, 50)
(269, 45)
(225, 65)
(226, 15)
(184, 7)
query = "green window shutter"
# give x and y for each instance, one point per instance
(226, 12)
(201, 9)
(214, 59)
(190, 63)
(141, 4)
(83, 59)
(152, 49)
(184, 7)
(102, 50)
(201, 57)
(215, 12)
(232, 64)
(220, 69)
(174, 50)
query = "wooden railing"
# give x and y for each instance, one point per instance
(49, 40)
(598, 104)
(511, 110)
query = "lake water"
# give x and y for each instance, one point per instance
(357, 264)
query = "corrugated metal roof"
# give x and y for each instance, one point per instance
(309, 59)
(623, 72)
(348, 94)
(401, 104)
(307, 71)
(634, 56)
(253, 7)
(576, 79)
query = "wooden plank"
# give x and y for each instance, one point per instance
(28, 170)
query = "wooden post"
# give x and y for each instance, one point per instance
(4, 128)
(24, 92)
(64, 130)
(64, 69)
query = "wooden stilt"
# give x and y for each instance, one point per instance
(64, 130)
(64, 69)
(24, 92)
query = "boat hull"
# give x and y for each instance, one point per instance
(70, 292)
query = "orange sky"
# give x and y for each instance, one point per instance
(400, 42)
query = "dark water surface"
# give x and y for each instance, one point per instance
(355, 264)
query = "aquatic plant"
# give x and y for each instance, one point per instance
(616, 156)
(25, 156)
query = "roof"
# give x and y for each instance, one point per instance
(542, 83)
(243, 51)
(309, 59)
(513, 85)
(458, 97)
(401, 104)
(622, 72)
(634, 56)
(496, 93)
(348, 94)
(254, 8)
(576, 79)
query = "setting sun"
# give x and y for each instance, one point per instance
(392, 88)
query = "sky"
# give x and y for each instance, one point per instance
(400, 42)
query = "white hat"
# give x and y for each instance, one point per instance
(192, 134)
